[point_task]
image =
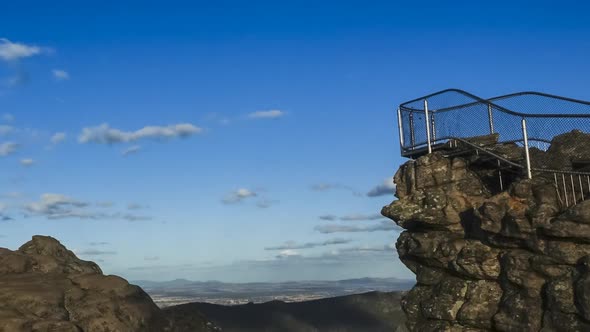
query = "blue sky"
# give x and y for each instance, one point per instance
(238, 141)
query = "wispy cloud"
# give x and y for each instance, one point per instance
(136, 206)
(3, 216)
(266, 203)
(98, 243)
(11, 195)
(58, 206)
(238, 196)
(10, 51)
(8, 148)
(293, 245)
(104, 134)
(58, 138)
(105, 204)
(385, 188)
(288, 253)
(27, 162)
(333, 228)
(270, 114)
(151, 258)
(95, 252)
(360, 216)
(5, 130)
(352, 217)
(294, 264)
(323, 187)
(132, 217)
(60, 75)
(366, 248)
(131, 150)
(7, 117)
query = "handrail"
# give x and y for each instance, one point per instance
(479, 100)
(440, 126)
(511, 163)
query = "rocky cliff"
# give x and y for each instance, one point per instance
(45, 287)
(487, 259)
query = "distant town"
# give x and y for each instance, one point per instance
(182, 291)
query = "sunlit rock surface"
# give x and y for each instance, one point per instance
(487, 259)
(45, 287)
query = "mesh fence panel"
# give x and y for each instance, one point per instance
(458, 114)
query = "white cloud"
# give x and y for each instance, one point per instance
(104, 134)
(266, 203)
(332, 228)
(7, 117)
(288, 253)
(386, 188)
(360, 249)
(8, 148)
(58, 138)
(94, 252)
(131, 150)
(5, 130)
(27, 162)
(11, 195)
(60, 75)
(352, 217)
(238, 196)
(98, 243)
(10, 51)
(271, 114)
(132, 217)
(358, 217)
(135, 206)
(322, 187)
(56, 206)
(293, 245)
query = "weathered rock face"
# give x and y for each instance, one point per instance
(45, 287)
(491, 260)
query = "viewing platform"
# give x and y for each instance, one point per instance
(454, 121)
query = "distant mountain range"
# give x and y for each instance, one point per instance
(179, 291)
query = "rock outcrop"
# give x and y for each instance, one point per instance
(45, 287)
(487, 259)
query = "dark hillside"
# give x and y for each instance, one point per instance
(369, 312)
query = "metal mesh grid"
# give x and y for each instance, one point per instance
(457, 114)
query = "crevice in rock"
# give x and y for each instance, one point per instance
(461, 227)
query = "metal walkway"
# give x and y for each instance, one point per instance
(446, 119)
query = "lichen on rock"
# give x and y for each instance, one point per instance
(45, 287)
(493, 260)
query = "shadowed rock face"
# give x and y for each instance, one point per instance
(45, 287)
(487, 260)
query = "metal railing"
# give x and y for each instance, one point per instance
(529, 119)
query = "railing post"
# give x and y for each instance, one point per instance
(491, 118)
(401, 130)
(427, 120)
(412, 135)
(526, 149)
(433, 126)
